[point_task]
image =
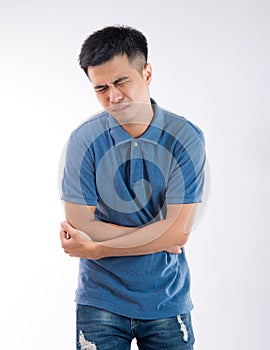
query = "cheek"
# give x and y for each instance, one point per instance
(141, 92)
(101, 99)
(135, 91)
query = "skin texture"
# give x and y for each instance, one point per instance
(123, 91)
(170, 234)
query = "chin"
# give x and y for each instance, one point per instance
(123, 119)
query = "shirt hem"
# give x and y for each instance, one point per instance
(78, 200)
(187, 200)
(158, 314)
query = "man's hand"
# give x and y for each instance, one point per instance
(174, 250)
(76, 245)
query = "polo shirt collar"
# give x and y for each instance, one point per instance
(152, 134)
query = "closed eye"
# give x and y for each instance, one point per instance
(100, 88)
(120, 81)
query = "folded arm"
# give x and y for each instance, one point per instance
(162, 235)
(82, 218)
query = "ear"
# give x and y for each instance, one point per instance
(147, 73)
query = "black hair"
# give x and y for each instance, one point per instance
(104, 44)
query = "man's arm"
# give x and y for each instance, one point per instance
(82, 218)
(171, 232)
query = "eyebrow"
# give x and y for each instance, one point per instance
(117, 81)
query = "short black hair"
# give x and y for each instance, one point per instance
(104, 44)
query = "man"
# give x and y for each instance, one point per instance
(132, 181)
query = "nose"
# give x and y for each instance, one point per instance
(115, 95)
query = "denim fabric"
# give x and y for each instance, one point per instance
(99, 329)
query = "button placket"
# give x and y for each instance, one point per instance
(135, 166)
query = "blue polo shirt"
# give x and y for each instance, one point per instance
(131, 181)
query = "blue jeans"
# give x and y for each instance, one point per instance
(102, 330)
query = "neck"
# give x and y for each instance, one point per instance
(140, 124)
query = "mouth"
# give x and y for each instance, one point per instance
(120, 108)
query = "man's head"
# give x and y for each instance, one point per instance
(115, 61)
(104, 44)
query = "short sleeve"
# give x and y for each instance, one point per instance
(78, 182)
(186, 180)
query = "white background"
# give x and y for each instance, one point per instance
(211, 64)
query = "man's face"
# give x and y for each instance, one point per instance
(120, 88)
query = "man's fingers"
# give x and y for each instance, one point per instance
(63, 232)
(64, 239)
(67, 231)
(174, 250)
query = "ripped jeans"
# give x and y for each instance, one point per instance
(102, 330)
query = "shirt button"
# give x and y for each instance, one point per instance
(135, 144)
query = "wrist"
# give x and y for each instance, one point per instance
(97, 251)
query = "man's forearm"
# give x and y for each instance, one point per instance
(82, 218)
(77, 246)
(150, 239)
(114, 240)
(100, 231)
